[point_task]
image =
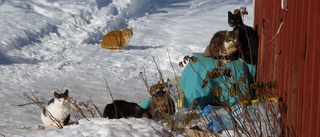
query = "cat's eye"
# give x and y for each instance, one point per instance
(231, 20)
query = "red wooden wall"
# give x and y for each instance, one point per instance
(292, 58)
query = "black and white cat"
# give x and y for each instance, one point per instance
(123, 109)
(248, 38)
(59, 108)
(224, 44)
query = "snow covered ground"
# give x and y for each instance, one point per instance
(49, 45)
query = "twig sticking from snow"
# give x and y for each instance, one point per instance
(95, 107)
(109, 90)
(144, 78)
(16, 127)
(174, 72)
(78, 108)
(20, 105)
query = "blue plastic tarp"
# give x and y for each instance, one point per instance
(195, 72)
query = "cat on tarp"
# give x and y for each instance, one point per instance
(248, 38)
(224, 45)
(59, 108)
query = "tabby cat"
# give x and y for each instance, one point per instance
(117, 39)
(161, 105)
(59, 108)
(224, 44)
(248, 38)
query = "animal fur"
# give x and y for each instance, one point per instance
(117, 39)
(160, 107)
(123, 109)
(59, 108)
(224, 44)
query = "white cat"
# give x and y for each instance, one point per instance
(59, 108)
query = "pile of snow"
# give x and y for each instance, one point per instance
(48, 45)
(100, 127)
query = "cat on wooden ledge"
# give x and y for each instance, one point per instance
(59, 109)
(117, 39)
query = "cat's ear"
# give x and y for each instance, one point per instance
(56, 95)
(229, 13)
(66, 93)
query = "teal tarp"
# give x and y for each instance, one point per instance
(145, 103)
(194, 73)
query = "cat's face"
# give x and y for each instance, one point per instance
(234, 19)
(127, 33)
(231, 42)
(232, 37)
(61, 99)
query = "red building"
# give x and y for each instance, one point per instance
(289, 53)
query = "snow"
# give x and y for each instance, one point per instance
(50, 45)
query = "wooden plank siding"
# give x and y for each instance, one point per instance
(292, 59)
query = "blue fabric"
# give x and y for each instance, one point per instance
(145, 104)
(194, 73)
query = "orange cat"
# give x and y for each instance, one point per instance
(117, 39)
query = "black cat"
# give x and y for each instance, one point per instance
(123, 109)
(248, 38)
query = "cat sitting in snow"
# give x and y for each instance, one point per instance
(117, 39)
(59, 108)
